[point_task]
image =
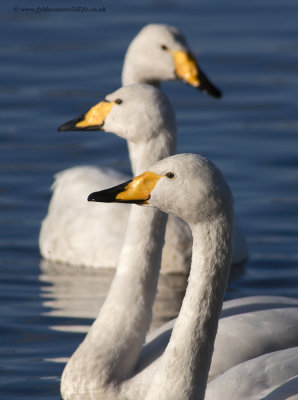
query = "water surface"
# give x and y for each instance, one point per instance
(55, 66)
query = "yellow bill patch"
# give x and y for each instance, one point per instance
(186, 67)
(140, 188)
(96, 115)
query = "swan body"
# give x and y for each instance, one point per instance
(271, 376)
(67, 233)
(248, 327)
(115, 362)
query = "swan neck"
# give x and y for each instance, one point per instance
(130, 298)
(186, 361)
(134, 72)
(145, 154)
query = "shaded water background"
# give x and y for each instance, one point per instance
(55, 66)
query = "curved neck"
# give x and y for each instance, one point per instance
(185, 364)
(133, 73)
(121, 326)
(132, 294)
(118, 333)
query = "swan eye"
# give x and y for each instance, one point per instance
(118, 101)
(170, 175)
(164, 47)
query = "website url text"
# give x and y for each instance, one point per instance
(74, 9)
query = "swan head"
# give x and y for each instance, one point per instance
(161, 53)
(186, 185)
(135, 112)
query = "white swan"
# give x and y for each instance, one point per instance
(272, 376)
(111, 363)
(66, 238)
(68, 234)
(160, 53)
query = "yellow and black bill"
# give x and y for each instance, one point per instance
(188, 71)
(73, 125)
(206, 86)
(92, 120)
(135, 191)
(112, 195)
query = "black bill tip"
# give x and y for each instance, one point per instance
(71, 125)
(109, 195)
(207, 87)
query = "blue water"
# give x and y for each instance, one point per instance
(55, 66)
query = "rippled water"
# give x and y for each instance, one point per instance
(56, 65)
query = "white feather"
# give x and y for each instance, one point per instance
(255, 334)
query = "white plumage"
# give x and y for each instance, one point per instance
(68, 235)
(256, 336)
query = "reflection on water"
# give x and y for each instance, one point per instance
(73, 292)
(80, 293)
(55, 66)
